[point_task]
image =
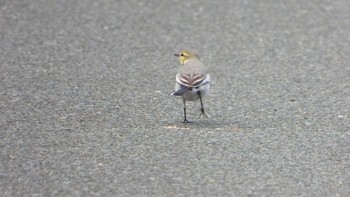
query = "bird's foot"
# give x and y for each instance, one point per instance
(203, 114)
(186, 121)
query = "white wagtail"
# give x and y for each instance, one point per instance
(192, 80)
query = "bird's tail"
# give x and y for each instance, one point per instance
(180, 92)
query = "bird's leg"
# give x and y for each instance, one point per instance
(202, 108)
(185, 120)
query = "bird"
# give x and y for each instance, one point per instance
(192, 80)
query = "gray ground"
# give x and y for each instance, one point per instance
(85, 104)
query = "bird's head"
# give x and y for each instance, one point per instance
(186, 55)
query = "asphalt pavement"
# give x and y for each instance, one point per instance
(85, 105)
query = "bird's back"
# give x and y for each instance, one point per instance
(192, 73)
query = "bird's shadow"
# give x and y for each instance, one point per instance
(201, 124)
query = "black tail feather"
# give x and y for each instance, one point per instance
(180, 92)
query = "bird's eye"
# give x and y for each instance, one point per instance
(182, 54)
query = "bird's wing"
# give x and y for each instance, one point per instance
(190, 80)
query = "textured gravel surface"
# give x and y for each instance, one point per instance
(86, 111)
